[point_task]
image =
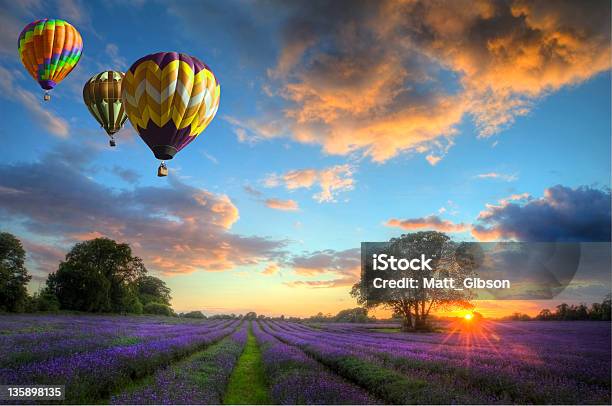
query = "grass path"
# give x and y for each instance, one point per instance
(247, 384)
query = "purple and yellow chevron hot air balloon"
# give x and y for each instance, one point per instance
(169, 98)
(49, 49)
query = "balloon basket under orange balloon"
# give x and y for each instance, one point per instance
(47, 96)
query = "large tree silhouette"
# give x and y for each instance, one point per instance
(449, 260)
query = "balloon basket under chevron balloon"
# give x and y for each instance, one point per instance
(162, 170)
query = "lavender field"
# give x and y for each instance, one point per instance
(159, 360)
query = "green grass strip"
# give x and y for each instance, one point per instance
(247, 384)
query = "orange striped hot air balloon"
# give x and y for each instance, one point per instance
(49, 49)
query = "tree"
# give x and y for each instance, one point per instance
(13, 274)
(563, 311)
(448, 260)
(45, 301)
(356, 315)
(158, 308)
(152, 289)
(98, 275)
(196, 314)
(545, 314)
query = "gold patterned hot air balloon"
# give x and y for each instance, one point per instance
(49, 49)
(169, 98)
(102, 96)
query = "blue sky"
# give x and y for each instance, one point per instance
(346, 127)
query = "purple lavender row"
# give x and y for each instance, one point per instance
(81, 335)
(201, 379)
(296, 378)
(371, 373)
(509, 376)
(520, 352)
(92, 375)
(513, 351)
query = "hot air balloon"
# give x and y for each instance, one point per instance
(102, 96)
(49, 49)
(169, 98)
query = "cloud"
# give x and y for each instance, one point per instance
(33, 104)
(562, 214)
(382, 78)
(73, 11)
(13, 19)
(496, 175)
(175, 228)
(331, 181)
(45, 257)
(252, 191)
(325, 261)
(115, 60)
(429, 222)
(433, 159)
(128, 175)
(515, 197)
(279, 204)
(210, 157)
(272, 203)
(270, 270)
(344, 267)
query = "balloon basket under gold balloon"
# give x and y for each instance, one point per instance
(162, 170)
(112, 142)
(46, 96)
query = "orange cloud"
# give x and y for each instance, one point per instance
(428, 222)
(344, 266)
(373, 80)
(175, 229)
(279, 204)
(331, 181)
(484, 234)
(271, 269)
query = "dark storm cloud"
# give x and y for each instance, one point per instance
(562, 214)
(176, 229)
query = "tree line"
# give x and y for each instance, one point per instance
(98, 276)
(564, 311)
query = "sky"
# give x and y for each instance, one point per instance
(338, 123)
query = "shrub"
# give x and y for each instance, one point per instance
(46, 302)
(158, 308)
(134, 307)
(196, 314)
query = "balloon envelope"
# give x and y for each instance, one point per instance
(102, 96)
(169, 98)
(49, 49)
